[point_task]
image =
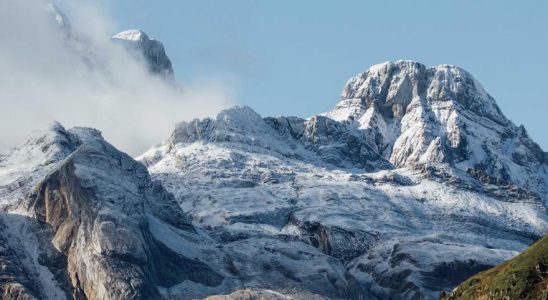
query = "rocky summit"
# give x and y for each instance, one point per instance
(411, 184)
(150, 50)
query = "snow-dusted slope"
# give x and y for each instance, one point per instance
(413, 182)
(81, 219)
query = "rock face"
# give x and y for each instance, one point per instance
(421, 116)
(108, 231)
(150, 50)
(414, 181)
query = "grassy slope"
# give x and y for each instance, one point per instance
(523, 277)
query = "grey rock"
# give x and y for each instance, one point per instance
(150, 50)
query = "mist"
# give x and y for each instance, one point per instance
(81, 78)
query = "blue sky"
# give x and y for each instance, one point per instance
(293, 57)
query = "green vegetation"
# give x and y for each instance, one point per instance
(523, 277)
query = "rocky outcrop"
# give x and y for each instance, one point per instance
(98, 203)
(151, 51)
(441, 115)
(337, 242)
(96, 206)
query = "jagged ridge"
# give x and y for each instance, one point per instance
(414, 181)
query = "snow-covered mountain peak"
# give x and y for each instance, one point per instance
(29, 162)
(416, 116)
(399, 114)
(238, 116)
(150, 50)
(391, 87)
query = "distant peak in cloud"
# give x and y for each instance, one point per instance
(151, 50)
(68, 71)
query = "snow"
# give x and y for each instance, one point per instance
(249, 181)
(379, 67)
(131, 35)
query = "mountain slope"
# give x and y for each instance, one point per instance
(412, 183)
(96, 225)
(523, 277)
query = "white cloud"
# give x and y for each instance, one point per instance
(92, 82)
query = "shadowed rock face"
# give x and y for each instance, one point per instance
(118, 250)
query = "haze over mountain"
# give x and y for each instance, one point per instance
(413, 182)
(68, 69)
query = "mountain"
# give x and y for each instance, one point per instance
(82, 220)
(150, 50)
(412, 183)
(523, 277)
